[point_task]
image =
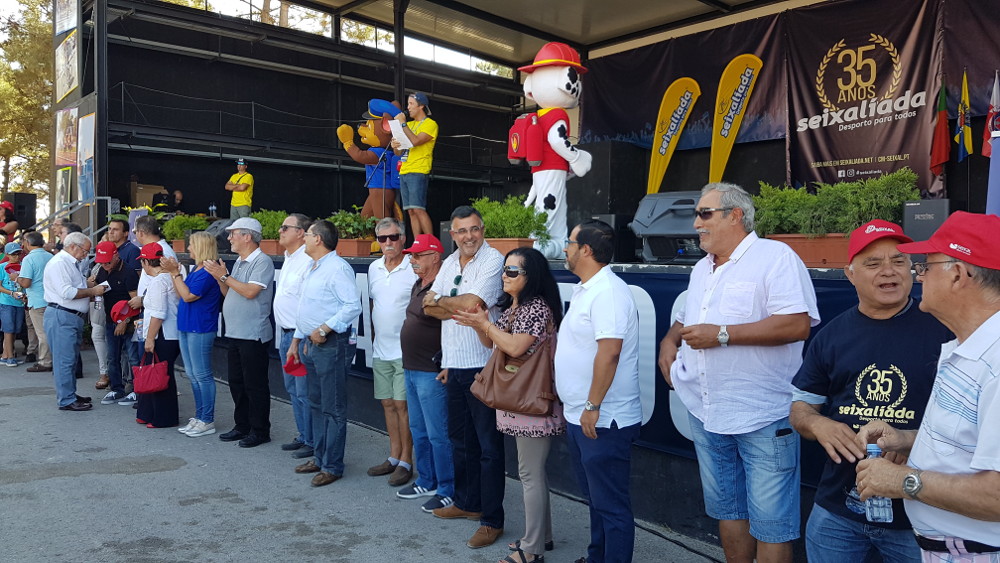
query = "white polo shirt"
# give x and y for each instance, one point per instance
(600, 308)
(289, 287)
(62, 279)
(739, 389)
(390, 294)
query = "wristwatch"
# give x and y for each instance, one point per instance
(723, 336)
(588, 406)
(438, 297)
(912, 484)
(224, 278)
(322, 332)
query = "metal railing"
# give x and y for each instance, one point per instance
(91, 229)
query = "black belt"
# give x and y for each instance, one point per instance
(61, 308)
(928, 544)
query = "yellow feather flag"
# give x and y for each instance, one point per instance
(675, 108)
(735, 86)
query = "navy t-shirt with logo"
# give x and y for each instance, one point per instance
(868, 370)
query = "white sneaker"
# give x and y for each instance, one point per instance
(201, 429)
(129, 400)
(187, 427)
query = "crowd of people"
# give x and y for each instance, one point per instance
(916, 377)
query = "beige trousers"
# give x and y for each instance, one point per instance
(37, 321)
(531, 456)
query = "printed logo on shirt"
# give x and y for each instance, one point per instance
(879, 394)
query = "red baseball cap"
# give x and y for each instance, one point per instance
(151, 251)
(970, 237)
(291, 367)
(122, 311)
(105, 251)
(871, 232)
(7, 204)
(423, 243)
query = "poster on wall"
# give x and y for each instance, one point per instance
(862, 85)
(85, 157)
(66, 137)
(65, 18)
(67, 78)
(64, 183)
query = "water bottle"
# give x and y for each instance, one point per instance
(211, 209)
(877, 509)
(98, 302)
(140, 333)
(352, 340)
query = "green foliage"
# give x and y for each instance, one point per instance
(350, 224)
(270, 222)
(835, 208)
(511, 219)
(158, 212)
(178, 227)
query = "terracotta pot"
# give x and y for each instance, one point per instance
(178, 245)
(271, 247)
(358, 248)
(505, 245)
(828, 251)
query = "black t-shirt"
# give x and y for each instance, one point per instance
(121, 280)
(420, 336)
(868, 370)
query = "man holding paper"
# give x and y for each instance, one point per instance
(415, 169)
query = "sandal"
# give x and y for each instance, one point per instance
(522, 558)
(514, 546)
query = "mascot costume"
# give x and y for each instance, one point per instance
(542, 138)
(381, 164)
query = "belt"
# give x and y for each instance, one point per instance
(68, 310)
(928, 544)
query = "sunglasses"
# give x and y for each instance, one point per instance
(705, 213)
(513, 271)
(383, 238)
(456, 281)
(284, 228)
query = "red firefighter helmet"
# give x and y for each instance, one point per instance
(555, 54)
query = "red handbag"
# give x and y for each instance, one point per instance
(150, 378)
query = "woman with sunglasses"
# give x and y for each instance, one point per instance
(531, 312)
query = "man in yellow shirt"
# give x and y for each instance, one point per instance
(241, 184)
(422, 131)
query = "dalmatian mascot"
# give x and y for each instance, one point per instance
(542, 138)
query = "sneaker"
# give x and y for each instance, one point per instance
(201, 429)
(187, 427)
(112, 397)
(11, 362)
(129, 399)
(437, 502)
(415, 491)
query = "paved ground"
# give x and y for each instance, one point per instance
(96, 486)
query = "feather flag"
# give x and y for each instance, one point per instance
(992, 123)
(941, 145)
(963, 127)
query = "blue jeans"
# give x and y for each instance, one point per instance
(427, 400)
(478, 449)
(831, 538)
(116, 344)
(298, 391)
(752, 476)
(327, 382)
(64, 331)
(196, 349)
(602, 469)
(413, 190)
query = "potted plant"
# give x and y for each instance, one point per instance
(508, 224)
(270, 228)
(816, 225)
(176, 229)
(356, 232)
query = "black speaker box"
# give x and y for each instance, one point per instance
(24, 207)
(922, 217)
(218, 229)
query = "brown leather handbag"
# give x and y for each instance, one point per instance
(523, 385)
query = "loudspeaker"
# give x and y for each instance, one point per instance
(24, 208)
(922, 217)
(218, 229)
(625, 241)
(446, 241)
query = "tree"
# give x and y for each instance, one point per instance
(25, 98)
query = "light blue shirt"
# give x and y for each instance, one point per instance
(32, 268)
(329, 296)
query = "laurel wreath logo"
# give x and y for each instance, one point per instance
(890, 48)
(857, 387)
(902, 386)
(864, 377)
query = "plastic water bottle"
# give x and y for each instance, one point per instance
(877, 509)
(352, 340)
(212, 209)
(98, 302)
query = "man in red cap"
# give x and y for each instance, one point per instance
(951, 482)
(123, 284)
(875, 360)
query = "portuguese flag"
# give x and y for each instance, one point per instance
(941, 145)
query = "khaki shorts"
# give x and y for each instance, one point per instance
(389, 381)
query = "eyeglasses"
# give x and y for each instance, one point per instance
(284, 228)
(568, 242)
(383, 238)
(921, 267)
(513, 271)
(705, 213)
(473, 230)
(308, 234)
(456, 281)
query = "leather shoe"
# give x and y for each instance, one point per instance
(38, 368)
(400, 476)
(307, 467)
(83, 399)
(453, 511)
(292, 446)
(323, 478)
(102, 382)
(77, 406)
(484, 536)
(232, 436)
(253, 440)
(303, 453)
(383, 468)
